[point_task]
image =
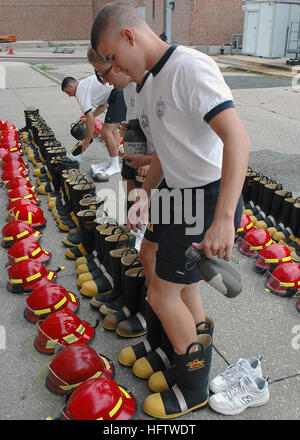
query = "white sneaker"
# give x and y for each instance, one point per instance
(234, 372)
(101, 166)
(248, 392)
(112, 170)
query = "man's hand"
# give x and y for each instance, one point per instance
(218, 240)
(84, 144)
(123, 126)
(136, 160)
(138, 214)
(143, 171)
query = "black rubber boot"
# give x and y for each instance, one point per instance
(136, 325)
(73, 238)
(116, 241)
(248, 183)
(86, 226)
(134, 280)
(190, 391)
(157, 360)
(131, 353)
(129, 261)
(267, 196)
(164, 380)
(99, 285)
(115, 256)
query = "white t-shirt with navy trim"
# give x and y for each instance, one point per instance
(185, 91)
(90, 92)
(129, 97)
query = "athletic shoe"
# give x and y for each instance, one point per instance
(233, 373)
(247, 392)
(101, 166)
(112, 170)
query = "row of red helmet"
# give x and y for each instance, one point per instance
(77, 370)
(281, 274)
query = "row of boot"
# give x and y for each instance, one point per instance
(273, 208)
(109, 271)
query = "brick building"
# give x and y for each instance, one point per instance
(188, 22)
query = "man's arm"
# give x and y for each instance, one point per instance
(100, 109)
(219, 238)
(138, 213)
(90, 124)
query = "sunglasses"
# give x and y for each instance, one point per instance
(99, 77)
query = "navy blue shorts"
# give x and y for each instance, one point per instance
(128, 172)
(174, 239)
(117, 109)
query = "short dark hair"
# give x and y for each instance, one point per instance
(66, 81)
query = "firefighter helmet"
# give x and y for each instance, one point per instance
(14, 165)
(11, 174)
(12, 146)
(25, 250)
(18, 230)
(26, 275)
(271, 256)
(49, 299)
(8, 156)
(62, 328)
(31, 214)
(254, 241)
(284, 280)
(22, 192)
(245, 225)
(100, 399)
(20, 181)
(75, 364)
(5, 124)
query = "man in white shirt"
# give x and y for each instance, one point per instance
(90, 93)
(201, 145)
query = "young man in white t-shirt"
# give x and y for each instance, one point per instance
(201, 146)
(90, 93)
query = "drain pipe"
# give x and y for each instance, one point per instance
(170, 5)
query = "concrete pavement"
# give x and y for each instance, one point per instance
(254, 323)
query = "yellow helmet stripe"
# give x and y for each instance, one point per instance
(51, 343)
(16, 281)
(30, 217)
(8, 238)
(106, 362)
(36, 252)
(116, 408)
(70, 339)
(42, 312)
(80, 329)
(60, 303)
(286, 259)
(21, 258)
(17, 215)
(50, 275)
(22, 234)
(125, 393)
(287, 284)
(34, 277)
(73, 299)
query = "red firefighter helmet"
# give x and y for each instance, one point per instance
(11, 146)
(17, 203)
(22, 192)
(62, 328)
(284, 280)
(25, 276)
(5, 124)
(271, 256)
(31, 214)
(75, 364)
(20, 181)
(254, 241)
(245, 225)
(27, 249)
(14, 165)
(4, 153)
(49, 299)
(18, 230)
(11, 174)
(8, 156)
(100, 399)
